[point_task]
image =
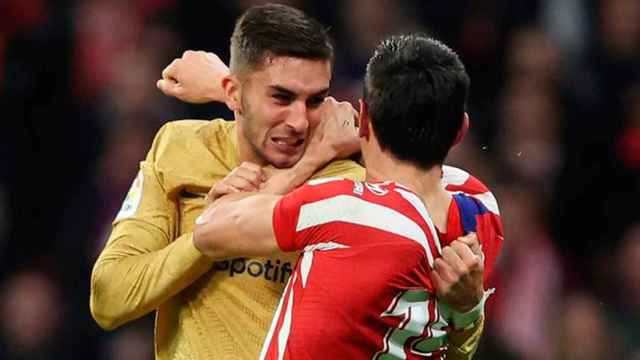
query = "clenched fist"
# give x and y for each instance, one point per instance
(196, 78)
(336, 135)
(458, 274)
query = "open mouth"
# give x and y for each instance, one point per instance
(287, 144)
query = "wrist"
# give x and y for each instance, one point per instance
(464, 319)
(212, 95)
(318, 155)
(198, 241)
(285, 181)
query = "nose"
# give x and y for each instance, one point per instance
(298, 119)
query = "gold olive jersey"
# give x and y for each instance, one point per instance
(204, 310)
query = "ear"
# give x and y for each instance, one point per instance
(232, 88)
(363, 119)
(463, 130)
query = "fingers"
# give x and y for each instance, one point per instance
(218, 190)
(169, 84)
(468, 258)
(445, 270)
(171, 69)
(251, 173)
(244, 180)
(246, 177)
(170, 87)
(458, 274)
(471, 240)
(457, 261)
(450, 255)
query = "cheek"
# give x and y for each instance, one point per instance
(314, 118)
(262, 113)
(273, 115)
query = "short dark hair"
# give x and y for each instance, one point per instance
(278, 30)
(416, 90)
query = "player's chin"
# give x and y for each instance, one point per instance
(283, 156)
(284, 161)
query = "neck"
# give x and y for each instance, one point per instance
(427, 184)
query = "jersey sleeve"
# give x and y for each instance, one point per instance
(143, 264)
(298, 216)
(480, 202)
(464, 343)
(285, 219)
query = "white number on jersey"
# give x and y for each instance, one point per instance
(413, 307)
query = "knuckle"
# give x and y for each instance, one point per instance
(456, 277)
(474, 263)
(248, 166)
(453, 277)
(455, 245)
(219, 186)
(463, 269)
(448, 250)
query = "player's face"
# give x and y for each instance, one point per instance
(279, 106)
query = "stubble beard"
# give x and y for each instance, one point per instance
(250, 136)
(249, 133)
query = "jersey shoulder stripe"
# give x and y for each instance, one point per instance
(338, 203)
(469, 209)
(457, 181)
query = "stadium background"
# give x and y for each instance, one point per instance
(555, 110)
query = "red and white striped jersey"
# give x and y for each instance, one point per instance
(361, 288)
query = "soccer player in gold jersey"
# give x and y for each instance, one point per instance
(277, 87)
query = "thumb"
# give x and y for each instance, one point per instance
(169, 87)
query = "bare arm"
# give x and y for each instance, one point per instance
(238, 224)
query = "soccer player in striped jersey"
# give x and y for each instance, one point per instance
(376, 253)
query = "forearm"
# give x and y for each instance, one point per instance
(285, 181)
(238, 224)
(467, 328)
(131, 278)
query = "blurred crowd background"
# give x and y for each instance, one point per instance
(555, 110)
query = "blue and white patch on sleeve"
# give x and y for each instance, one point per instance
(132, 201)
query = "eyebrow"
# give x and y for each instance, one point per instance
(286, 91)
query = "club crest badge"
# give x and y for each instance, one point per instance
(132, 201)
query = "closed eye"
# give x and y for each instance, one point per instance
(283, 98)
(315, 101)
